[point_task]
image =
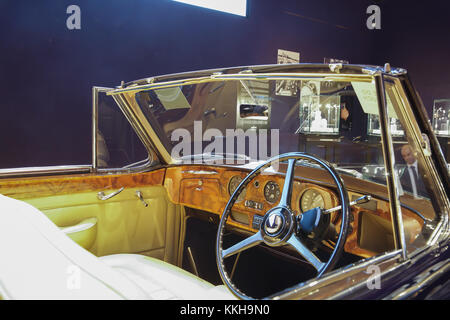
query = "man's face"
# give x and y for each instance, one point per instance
(408, 155)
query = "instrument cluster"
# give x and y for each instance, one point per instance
(271, 192)
(310, 197)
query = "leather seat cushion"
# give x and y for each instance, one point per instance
(161, 280)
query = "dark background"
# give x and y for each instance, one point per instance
(47, 71)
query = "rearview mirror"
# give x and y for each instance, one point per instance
(254, 111)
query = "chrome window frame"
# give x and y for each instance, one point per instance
(389, 161)
(442, 227)
(87, 168)
(144, 164)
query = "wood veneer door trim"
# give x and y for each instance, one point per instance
(42, 186)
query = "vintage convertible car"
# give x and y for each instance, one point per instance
(282, 181)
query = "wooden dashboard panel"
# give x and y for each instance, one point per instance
(206, 188)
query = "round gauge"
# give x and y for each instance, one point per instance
(232, 186)
(272, 191)
(311, 198)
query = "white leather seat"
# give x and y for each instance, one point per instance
(161, 280)
(38, 261)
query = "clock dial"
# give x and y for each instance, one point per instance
(272, 192)
(232, 186)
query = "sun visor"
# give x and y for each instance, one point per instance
(172, 98)
(367, 96)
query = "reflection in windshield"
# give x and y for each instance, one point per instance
(246, 120)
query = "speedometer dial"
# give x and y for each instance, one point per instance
(232, 186)
(272, 191)
(311, 198)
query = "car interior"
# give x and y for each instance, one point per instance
(152, 234)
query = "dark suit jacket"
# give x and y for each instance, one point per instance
(405, 180)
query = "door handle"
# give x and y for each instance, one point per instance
(141, 197)
(101, 195)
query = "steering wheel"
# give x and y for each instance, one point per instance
(280, 226)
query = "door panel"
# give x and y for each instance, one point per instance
(83, 233)
(123, 223)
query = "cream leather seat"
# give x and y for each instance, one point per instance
(38, 261)
(161, 280)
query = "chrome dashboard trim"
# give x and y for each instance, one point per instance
(199, 172)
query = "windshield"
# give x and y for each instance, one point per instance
(245, 121)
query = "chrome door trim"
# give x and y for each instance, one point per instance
(45, 170)
(424, 279)
(336, 283)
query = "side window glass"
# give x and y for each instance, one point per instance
(414, 182)
(441, 125)
(118, 146)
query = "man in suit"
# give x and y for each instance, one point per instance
(411, 178)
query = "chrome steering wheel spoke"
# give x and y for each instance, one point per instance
(286, 195)
(295, 242)
(245, 244)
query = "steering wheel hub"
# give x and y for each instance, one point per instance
(274, 223)
(277, 225)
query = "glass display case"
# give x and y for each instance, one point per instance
(441, 117)
(319, 114)
(373, 127)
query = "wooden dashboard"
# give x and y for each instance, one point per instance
(208, 188)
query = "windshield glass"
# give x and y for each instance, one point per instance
(245, 121)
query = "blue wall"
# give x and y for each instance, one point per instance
(47, 71)
(416, 35)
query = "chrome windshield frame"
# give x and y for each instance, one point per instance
(389, 161)
(124, 97)
(243, 76)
